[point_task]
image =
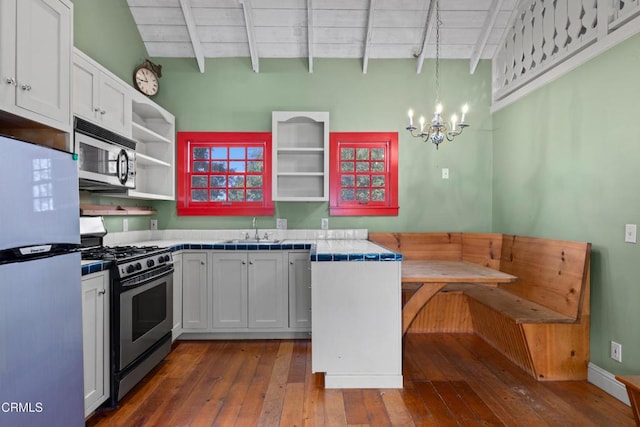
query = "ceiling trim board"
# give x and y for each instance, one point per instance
(430, 24)
(251, 34)
(367, 40)
(310, 34)
(193, 33)
(487, 28)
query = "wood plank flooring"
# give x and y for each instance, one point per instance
(449, 380)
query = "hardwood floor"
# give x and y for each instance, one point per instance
(449, 380)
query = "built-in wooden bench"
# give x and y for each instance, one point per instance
(632, 383)
(541, 322)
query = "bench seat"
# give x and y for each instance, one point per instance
(504, 302)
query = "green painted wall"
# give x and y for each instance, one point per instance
(229, 96)
(105, 31)
(566, 165)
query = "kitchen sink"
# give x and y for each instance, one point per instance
(265, 241)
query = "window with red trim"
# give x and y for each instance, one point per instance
(224, 173)
(364, 173)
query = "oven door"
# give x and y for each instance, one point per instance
(145, 316)
(102, 164)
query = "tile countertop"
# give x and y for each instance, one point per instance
(321, 250)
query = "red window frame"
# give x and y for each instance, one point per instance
(188, 140)
(388, 141)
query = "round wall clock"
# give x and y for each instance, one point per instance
(145, 78)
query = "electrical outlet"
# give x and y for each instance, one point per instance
(616, 351)
(125, 224)
(445, 173)
(630, 233)
(154, 224)
(281, 223)
(324, 223)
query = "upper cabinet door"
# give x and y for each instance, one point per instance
(43, 58)
(115, 105)
(7, 54)
(86, 79)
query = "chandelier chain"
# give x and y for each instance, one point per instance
(438, 23)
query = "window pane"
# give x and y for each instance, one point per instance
(348, 195)
(236, 195)
(201, 166)
(346, 154)
(364, 180)
(200, 153)
(218, 195)
(377, 154)
(237, 153)
(363, 195)
(377, 195)
(377, 166)
(199, 181)
(236, 166)
(362, 166)
(378, 181)
(199, 195)
(219, 153)
(255, 153)
(254, 195)
(255, 167)
(346, 167)
(236, 181)
(362, 154)
(218, 166)
(254, 181)
(218, 181)
(348, 181)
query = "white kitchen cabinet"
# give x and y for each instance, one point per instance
(229, 290)
(176, 330)
(100, 97)
(35, 60)
(249, 290)
(153, 128)
(300, 156)
(195, 290)
(299, 291)
(95, 339)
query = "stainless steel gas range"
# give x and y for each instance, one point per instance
(141, 304)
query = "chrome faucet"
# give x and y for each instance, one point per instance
(255, 227)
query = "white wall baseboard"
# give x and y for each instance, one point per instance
(607, 382)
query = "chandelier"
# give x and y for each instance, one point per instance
(438, 129)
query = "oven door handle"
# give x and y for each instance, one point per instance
(126, 287)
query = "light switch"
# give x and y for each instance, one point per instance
(445, 173)
(630, 233)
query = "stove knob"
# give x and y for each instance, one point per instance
(161, 259)
(138, 266)
(167, 258)
(150, 263)
(130, 268)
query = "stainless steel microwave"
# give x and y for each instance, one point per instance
(106, 160)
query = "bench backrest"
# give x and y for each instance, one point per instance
(553, 273)
(416, 246)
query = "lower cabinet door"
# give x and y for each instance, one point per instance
(299, 291)
(95, 339)
(195, 306)
(229, 290)
(268, 296)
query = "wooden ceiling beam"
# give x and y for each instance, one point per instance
(251, 34)
(310, 34)
(367, 40)
(193, 33)
(430, 25)
(489, 23)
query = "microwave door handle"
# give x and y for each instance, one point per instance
(123, 166)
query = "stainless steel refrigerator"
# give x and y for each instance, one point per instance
(41, 380)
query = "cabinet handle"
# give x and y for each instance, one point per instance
(26, 87)
(291, 262)
(251, 262)
(103, 112)
(11, 81)
(96, 110)
(101, 292)
(201, 262)
(243, 262)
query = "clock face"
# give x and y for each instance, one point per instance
(146, 81)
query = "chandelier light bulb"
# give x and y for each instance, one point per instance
(454, 120)
(421, 123)
(410, 117)
(465, 109)
(438, 108)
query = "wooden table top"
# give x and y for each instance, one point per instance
(423, 271)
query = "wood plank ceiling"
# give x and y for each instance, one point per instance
(366, 29)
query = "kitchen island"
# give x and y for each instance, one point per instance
(356, 316)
